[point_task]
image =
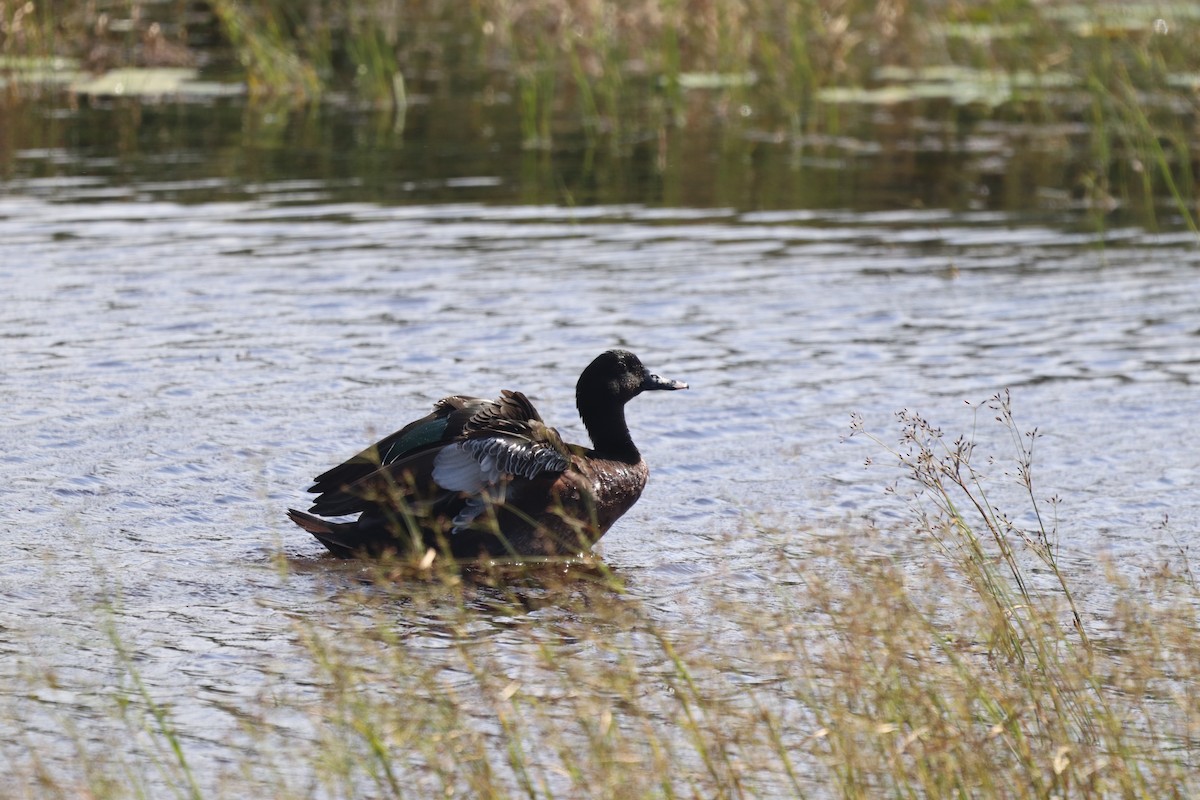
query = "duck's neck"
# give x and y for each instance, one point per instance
(610, 435)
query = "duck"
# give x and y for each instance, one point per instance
(479, 479)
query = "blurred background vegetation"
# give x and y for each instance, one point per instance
(1122, 76)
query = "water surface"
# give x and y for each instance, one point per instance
(177, 366)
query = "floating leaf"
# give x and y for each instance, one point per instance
(153, 82)
(44, 70)
(717, 80)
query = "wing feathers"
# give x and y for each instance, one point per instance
(466, 445)
(516, 456)
(469, 465)
(459, 471)
(482, 463)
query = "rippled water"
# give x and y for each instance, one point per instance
(174, 375)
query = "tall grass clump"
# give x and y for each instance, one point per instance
(28, 47)
(1140, 113)
(266, 42)
(23, 32)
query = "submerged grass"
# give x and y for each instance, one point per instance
(966, 660)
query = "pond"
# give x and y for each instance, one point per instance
(203, 311)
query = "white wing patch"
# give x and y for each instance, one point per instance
(473, 466)
(458, 470)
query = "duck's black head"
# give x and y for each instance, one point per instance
(609, 382)
(618, 375)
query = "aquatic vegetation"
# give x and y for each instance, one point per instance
(785, 72)
(962, 660)
(265, 48)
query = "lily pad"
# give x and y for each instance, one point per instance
(954, 74)
(153, 82)
(959, 85)
(1100, 20)
(41, 70)
(1184, 80)
(716, 80)
(981, 32)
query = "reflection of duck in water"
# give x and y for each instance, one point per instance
(488, 477)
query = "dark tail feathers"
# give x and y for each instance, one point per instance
(338, 537)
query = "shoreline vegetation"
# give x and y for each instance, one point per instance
(1124, 74)
(965, 661)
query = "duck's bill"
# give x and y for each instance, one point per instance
(655, 382)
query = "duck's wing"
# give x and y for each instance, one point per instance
(509, 408)
(504, 451)
(505, 463)
(401, 467)
(445, 423)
